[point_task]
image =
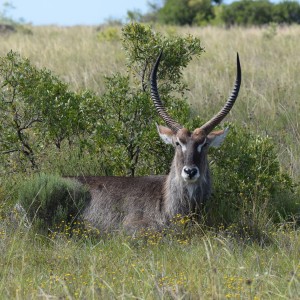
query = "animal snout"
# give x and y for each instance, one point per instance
(190, 173)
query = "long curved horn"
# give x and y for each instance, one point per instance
(157, 102)
(214, 121)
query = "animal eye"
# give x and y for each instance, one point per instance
(181, 145)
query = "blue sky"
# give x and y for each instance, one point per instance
(72, 12)
(75, 12)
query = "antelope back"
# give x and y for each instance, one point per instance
(131, 203)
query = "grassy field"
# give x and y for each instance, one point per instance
(211, 264)
(206, 266)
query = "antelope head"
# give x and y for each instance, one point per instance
(191, 147)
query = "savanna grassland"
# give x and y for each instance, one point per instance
(197, 263)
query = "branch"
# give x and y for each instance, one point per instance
(30, 123)
(144, 84)
(10, 151)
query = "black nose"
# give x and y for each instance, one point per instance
(190, 171)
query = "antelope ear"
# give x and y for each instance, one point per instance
(216, 138)
(165, 133)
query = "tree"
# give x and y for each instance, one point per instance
(186, 12)
(286, 12)
(204, 11)
(247, 12)
(176, 12)
(201, 12)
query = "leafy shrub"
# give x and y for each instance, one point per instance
(126, 131)
(143, 45)
(128, 134)
(49, 200)
(38, 109)
(247, 181)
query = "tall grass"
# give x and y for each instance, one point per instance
(203, 267)
(207, 265)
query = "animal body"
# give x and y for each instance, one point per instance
(133, 203)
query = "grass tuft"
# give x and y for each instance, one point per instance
(49, 200)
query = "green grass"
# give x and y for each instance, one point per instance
(207, 264)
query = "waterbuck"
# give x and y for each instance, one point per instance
(133, 203)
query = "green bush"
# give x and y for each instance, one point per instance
(126, 133)
(49, 200)
(247, 181)
(143, 45)
(37, 109)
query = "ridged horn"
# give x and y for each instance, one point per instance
(214, 121)
(173, 125)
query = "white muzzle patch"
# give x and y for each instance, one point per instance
(190, 175)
